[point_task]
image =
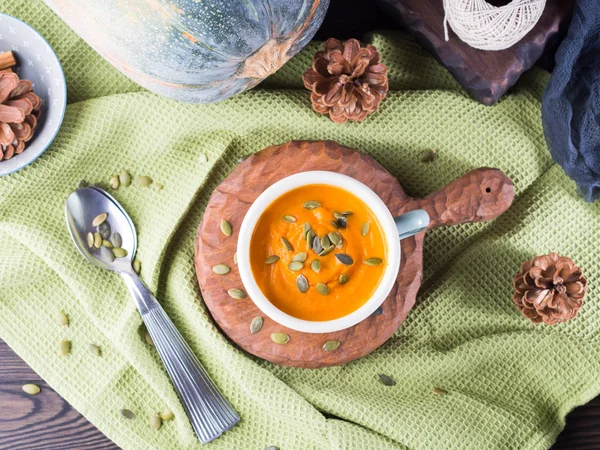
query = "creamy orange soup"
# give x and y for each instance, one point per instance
(283, 261)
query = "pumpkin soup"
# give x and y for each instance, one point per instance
(318, 253)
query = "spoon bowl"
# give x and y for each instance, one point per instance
(81, 208)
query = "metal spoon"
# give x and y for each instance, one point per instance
(207, 409)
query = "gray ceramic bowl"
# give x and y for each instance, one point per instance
(37, 62)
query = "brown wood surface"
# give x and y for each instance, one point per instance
(485, 75)
(50, 423)
(479, 195)
(44, 421)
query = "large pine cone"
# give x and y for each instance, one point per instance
(549, 289)
(19, 110)
(347, 82)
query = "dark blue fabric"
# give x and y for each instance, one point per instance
(571, 102)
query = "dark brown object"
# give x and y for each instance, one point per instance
(485, 75)
(481, 194)
(19, 110)
(347, 82)
(549, 289)
(40, 422)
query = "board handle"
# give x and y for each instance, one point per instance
(479, 195)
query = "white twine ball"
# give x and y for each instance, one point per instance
(489, 27)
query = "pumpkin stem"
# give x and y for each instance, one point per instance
(267, 59)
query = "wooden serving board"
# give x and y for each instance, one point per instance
(481, 194)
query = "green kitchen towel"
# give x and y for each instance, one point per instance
(510, 383)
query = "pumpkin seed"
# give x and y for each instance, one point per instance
(386, 380)
(316, 245)
(347, 213)
(342, 222)
(295, 266)
(331, 346)
(256, 324)
(325, 242)
(272, 259)
(100, 218)
(373, 261)
(316, 266)
(61, 319)
(236, 293)
(334, 224)
(365, 228)
(287, 244)
(289, 219)
(167, 415)
(106, 254)
(301, 257)
(127, 414)
(124, 178)
(306, 228)
(143, 181)
(90, 240)
(64, 347)
(322, 289)
(221, 269)
(280, 338)
(337, 215)
(104, 230)
(155, 421)
(94, 350)
(344, 278)
(119, 252)
(312, 204)
(107, 244)
(344, 259)
(310, 236)
(378, 311)
(235, 258)
(327, 251)
(335, 238)
(439, 391)
(157, 187)
(225, 227)
(116, 239)
(428, 156)
(302, 283)
(137, 266)
(97, 240)
(148, 339)
(114, 182)
(31, 389)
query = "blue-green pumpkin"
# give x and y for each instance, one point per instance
(194, 50)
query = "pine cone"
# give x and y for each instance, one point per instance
(347, 82)
(19, 110)
(549, 289)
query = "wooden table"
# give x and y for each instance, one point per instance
(48, 422)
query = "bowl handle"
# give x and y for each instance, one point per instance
(479, 195)
(411, 223)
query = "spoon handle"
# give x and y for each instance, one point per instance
(209, 412)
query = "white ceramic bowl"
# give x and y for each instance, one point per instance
(37, 62)
(365, 194)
